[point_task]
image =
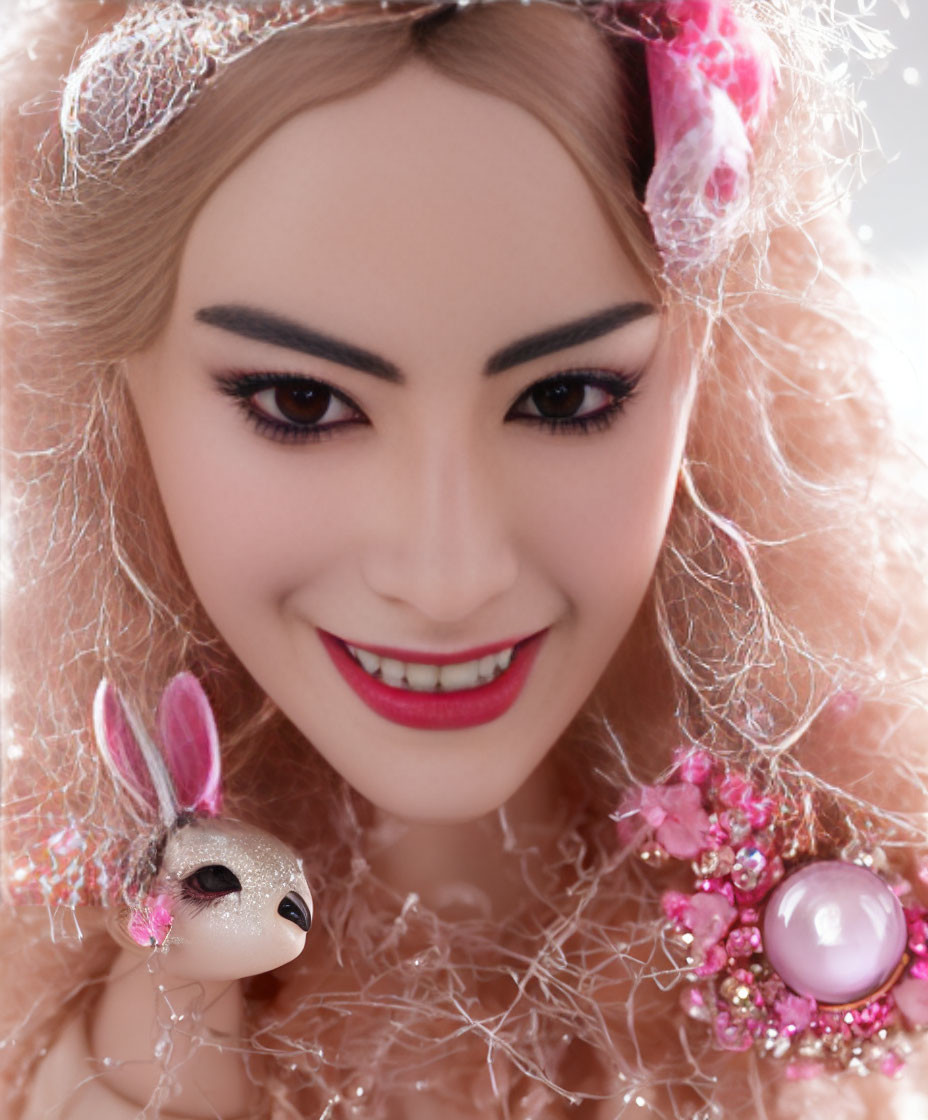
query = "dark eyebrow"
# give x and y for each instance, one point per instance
(263, 326)
(569, 334)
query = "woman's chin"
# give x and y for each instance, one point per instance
(436, 807)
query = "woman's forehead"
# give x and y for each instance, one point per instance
(415, 197)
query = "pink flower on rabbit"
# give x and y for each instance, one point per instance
(151, 922)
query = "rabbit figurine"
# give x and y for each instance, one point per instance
(221, 901)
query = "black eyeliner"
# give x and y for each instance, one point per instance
(621, 386)
(241, 386)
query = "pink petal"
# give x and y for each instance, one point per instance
(794, 1013)
(629, 825)
(684, 828)
(709, 917)
(715, 960)
(676, 905)
(151, 923)
(675, 813)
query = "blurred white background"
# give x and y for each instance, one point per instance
(890, 214)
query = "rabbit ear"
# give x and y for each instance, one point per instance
(190, 745)
(130, 755)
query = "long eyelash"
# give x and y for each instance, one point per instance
(196, 902)
(595, 422)
(242, 385)
(286, 433)
(623, 387)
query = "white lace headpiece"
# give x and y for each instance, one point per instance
(711, 75)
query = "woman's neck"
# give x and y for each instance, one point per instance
(473, 865)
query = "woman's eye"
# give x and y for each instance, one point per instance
(291, 409)
(301, 409)
(211, 881)
(306, 405)
(574, 401)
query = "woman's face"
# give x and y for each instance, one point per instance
(413, 398)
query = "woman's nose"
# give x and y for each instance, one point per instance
(443, 542)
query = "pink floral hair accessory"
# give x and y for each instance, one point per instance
(712, 77)
(819, 962)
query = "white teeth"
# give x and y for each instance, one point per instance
(423, 678)
(392, 671)
(433, 678)
(370, 661)
(463, 675)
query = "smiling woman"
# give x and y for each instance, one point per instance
(468, 396)
(457, 503)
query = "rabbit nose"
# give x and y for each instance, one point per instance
(294, 909)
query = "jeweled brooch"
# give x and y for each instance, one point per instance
(820, 962)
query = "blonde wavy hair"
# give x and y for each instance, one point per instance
(784, 628)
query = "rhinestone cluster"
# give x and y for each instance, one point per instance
(740, 843)
(63, 868)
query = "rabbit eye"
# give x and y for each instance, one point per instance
(212, 880)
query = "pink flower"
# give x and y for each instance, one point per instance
(735, 791)
(708, 917)
(918, 937)
(759, 811)
(714, 961)
(794, 1013)
(676, 814)
(676, 906)
(712, 78)
(744, 941)
(151, 923)
(694, 766)
(728, 53)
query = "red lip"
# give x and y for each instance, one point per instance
(437, 710)
(427, 657)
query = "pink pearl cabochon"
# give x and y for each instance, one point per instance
(834, 931)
